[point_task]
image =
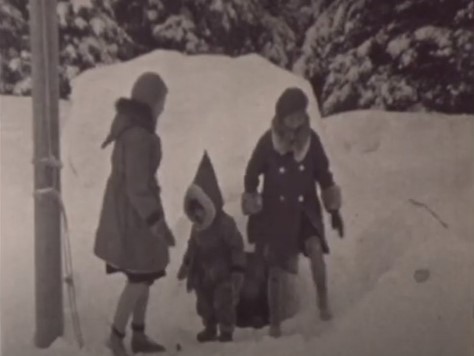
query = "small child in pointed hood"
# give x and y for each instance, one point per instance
(214, 261)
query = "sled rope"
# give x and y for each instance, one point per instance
(53, 162)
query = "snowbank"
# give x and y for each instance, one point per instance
(408, 187)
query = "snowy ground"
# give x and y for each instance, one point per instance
(408, 185)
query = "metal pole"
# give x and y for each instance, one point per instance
(48, 280)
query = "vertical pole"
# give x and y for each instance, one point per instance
(48, 280)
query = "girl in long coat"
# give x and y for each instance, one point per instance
(286, 217)
(132, 236)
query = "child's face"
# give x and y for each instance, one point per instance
(198, 214)
(293, 128)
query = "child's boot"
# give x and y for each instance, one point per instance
(141, 343)
(226, 333)
(225, 336)
(208, 334)
(115, 343)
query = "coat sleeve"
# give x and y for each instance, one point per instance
(190, 251)
(139, 176)
(235, 242)
(255, 167)
(330, 192)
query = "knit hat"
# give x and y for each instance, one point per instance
(205, 189)
(291, 101)
(148, 89)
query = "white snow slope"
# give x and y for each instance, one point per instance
(388, 165)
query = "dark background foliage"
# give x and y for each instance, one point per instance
(399, 55)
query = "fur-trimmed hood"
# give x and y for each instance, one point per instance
(130, 113)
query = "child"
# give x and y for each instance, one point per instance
(286, 218)
(132, 236)
(214, 261)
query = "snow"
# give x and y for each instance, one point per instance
(405, 177)
(398, 45)
(179, 28)
(63, 11)
(79, 4)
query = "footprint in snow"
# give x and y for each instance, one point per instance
(421, 275)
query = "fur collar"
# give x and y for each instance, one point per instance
(299, 154)
(130, 113)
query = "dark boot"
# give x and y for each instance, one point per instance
(141, 343)
(115, 343)
(225, 336)
(226, 332)
(208, 334)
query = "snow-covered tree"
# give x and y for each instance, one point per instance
(394, 54)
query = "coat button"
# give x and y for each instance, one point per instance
(282, 170)
(302, 168)
(301, 198)
(282, 198)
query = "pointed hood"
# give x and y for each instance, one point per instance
(206, 179)
(205, 190)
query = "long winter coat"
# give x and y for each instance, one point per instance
(289, 193)
(132, 200)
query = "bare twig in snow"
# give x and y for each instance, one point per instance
(436, 216)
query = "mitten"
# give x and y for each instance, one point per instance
(251, 203)
(337, 223)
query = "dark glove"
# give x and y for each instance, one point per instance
(237, 283)
(337, 223)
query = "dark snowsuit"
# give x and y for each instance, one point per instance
(214, 253)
